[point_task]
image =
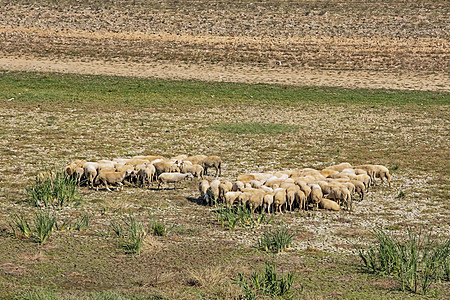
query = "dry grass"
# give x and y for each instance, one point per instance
(38, 135)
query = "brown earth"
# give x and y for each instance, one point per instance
(390, 44)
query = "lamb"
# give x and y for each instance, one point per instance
(212, 162)
(316, 195)
(329, 204)
(111, 177)
(172, 178)
(196, 169)
(203, 187)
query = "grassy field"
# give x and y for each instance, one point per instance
(49, 120)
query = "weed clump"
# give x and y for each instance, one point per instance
(53, 189)
(131, 235)
(265, 282)
(276, 240)
(231, 217)
(416, 262)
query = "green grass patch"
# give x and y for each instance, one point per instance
(123, 91)
(254, 128)
(239, 216)
(131, 235)
(266, 282)
(53, 189)
(276, 240)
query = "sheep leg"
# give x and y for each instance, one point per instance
(217, 172)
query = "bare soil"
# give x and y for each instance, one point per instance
(388, 44)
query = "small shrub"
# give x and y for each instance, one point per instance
(415, 262)
(20, 223)
(401, 195)
(53, 189)
(43, 226)
(265, 283)
(276, 240)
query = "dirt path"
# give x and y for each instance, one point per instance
(235, 73)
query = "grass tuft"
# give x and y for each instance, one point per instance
(19, 224)
(231, 217)
(276, 240)
(131, 235)
(416, 262)
(43, 226)
(265, 283)
(53, 189)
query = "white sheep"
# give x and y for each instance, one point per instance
(230, 198)
(172, 178)
(329, 204)
(196, 170)
(316, 195)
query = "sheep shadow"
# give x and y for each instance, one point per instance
(198, 201)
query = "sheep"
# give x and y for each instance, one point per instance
(359, 188)
(165, 167)
(231, 197)
(148, 157)
(365, 179)
(266, 189)
(90, 172)
(246, 178)
(111, 177)
(256, 200)
(224, 187)
(341, 195)
(238, 186)
(213, 191)
(256, 184)
(316, 195)
(383, 173)
(304, 187)
(196, 170)
(301, 199)
(279, 199)
(244, 197)
(78, 175)
(203, 187)
(340, 167)
(291, 195)
(329, 204)
(172, 178)
(267, 201)
(327, 172)
(212, 162)
(146, 175)
(196, 159)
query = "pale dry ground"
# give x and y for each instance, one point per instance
(387, 44)
(233, 73)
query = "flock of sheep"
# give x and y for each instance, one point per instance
(142, 170)
(330, 188)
